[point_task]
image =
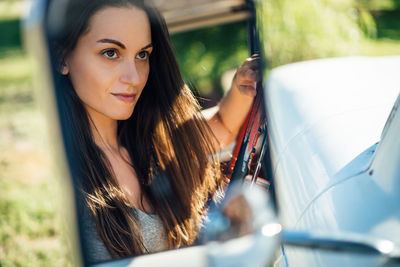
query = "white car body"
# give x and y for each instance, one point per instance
(325, 118)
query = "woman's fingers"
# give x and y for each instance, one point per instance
(248, 90)
(252, 61)
(248, 75)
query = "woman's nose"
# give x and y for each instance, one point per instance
(130, 74)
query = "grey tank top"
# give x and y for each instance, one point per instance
(153, 233)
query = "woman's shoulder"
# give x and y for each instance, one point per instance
(95, 248)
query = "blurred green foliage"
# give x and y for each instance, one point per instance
(12, 9)
(388, 23)
(309, 29)
(10, 33)
(373, 5)
(383, 15)
(15, 77)
(205, 54)
(30, 226)
(293, 31)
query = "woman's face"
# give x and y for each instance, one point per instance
(109, 66)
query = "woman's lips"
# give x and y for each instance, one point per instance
(126, 97)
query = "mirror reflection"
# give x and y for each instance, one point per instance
(145, 158)
(246, 209)
(143, 155)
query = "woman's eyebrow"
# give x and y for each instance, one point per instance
(112, 42)
(107, 40)
(147, 46)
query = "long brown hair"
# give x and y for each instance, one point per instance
(168, 141)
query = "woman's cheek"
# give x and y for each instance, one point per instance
(144, 75)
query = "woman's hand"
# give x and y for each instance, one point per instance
(247, 76)
(225, 119)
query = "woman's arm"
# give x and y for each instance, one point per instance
(226, 118)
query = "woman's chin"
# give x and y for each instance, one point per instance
(123, 116)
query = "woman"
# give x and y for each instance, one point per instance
(144, 154)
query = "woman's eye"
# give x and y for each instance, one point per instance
(142, 55)
(110, 53)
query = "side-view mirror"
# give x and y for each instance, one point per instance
(228, 239)
(252, 240)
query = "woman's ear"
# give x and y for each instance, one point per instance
(64, 69)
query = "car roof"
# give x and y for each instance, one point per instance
(184, 15)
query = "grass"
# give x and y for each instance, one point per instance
(15, 77)
(30, 224)
(29, 231)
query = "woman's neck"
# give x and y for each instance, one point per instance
(104, 131)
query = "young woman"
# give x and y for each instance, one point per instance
(143, 153)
